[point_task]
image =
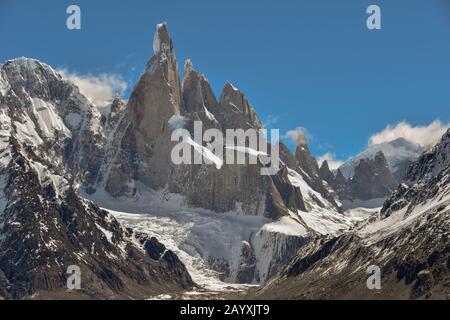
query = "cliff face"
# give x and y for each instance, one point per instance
(52, 140)
(372, 179)
(143, 148)
(143, 136)
(140, 155)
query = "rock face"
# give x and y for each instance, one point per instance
(247, 265)
(53, 139)
(372, 180)
(306, 165)
(399, 154)
(48, 112)
(236, 111)
(409, 242)
(142, 149)
(198, 98)
(326, 174)
(307, 161)
(144, 146)
(360, 183)
(144, 133)
(424, 181)
(140, 152)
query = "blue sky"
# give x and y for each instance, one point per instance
(310, 64)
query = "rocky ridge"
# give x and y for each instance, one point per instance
(408, 242)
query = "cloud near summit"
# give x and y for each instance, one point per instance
(99, 89)
(299, 136)
(425, 136)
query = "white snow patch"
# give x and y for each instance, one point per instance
(48, 119)
(398, 220)
(326, 222)
(361, 214)
(195, 235)
(209, 115)
(177, 122)
(287, 226)
(26, 132)
(310, 196)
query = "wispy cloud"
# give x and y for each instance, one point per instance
(425, 136)
(299, 136)
(99, 89)
(333, 163)
(270, 121)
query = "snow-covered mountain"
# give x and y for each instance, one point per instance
(399, 154)
(367, 179)
(99, 190)
(63, 163)
(408, 242)
(137, 166)
(52, 139)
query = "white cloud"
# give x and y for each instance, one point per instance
(333, 163)
(425, 136)
(99, 89)
(299, 136)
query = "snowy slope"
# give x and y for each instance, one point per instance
(51, 138)
(408, 241)
(200, 238)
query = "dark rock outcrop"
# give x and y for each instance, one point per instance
(372, 180)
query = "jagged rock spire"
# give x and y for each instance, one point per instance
(161, 40)
(198, 96)
(340, 179)
(154, 100)
(237, 110)
(326, 174)
(307, 162)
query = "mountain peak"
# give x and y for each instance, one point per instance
(325, 165)
(398, 153)
(306, 161)
(325, 173)
(230, 87)
(162, 41)
(38, 79)
(340, 177)
(379, 157)
(26, 66)
(239, 113)
(188, 71)
(188, 66)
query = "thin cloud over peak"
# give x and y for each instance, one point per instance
(425, 136)
(333, 163)
(299, 136)
(99, 89)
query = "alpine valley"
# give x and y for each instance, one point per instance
(97, 189)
